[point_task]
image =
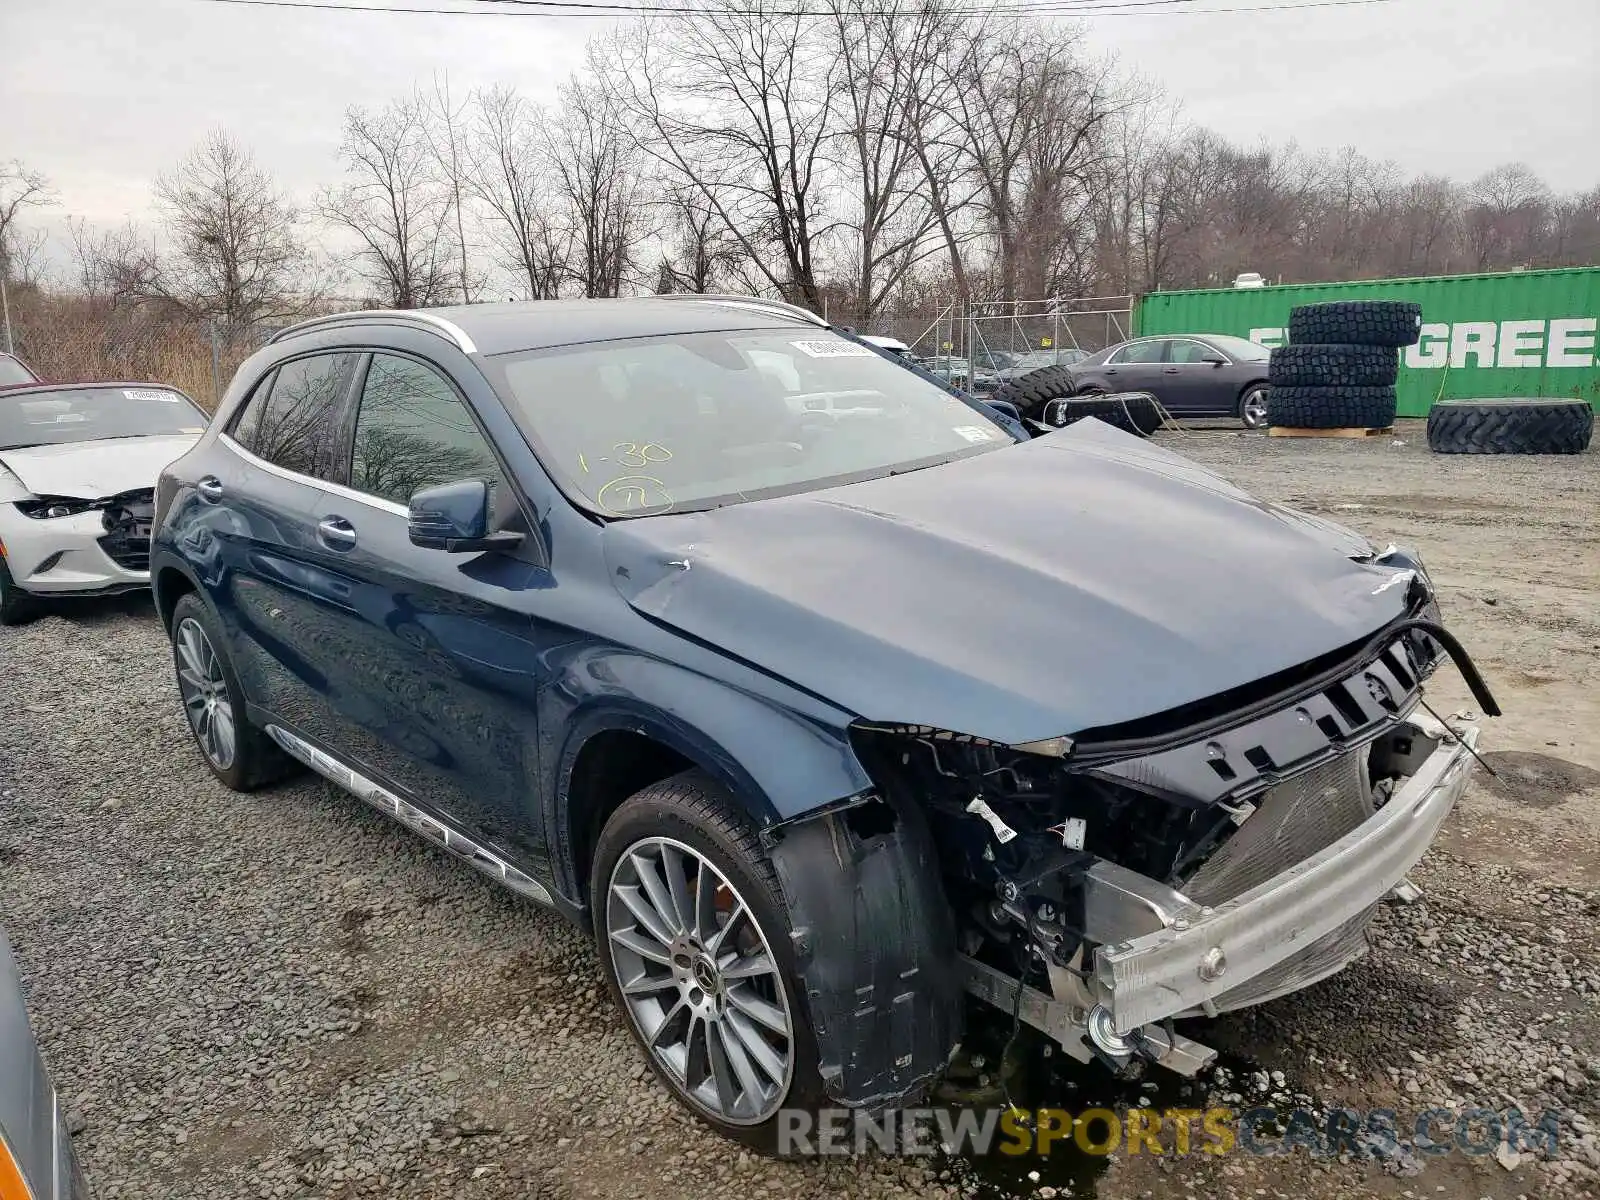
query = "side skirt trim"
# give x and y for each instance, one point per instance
(453, 841)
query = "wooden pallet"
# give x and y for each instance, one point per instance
(1286, 431)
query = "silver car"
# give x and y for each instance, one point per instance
(36, 1159)
(78, 467)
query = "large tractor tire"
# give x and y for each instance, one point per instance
(1510, 426)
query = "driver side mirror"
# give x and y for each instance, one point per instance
(454, 517)
(1215, 359)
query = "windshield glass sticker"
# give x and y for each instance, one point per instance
(150, 394)
(833, 348)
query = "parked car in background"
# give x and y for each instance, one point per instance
(14, 372)
(1009, 366)
(1192, 375)
(78, 467)
(952, 368)
(724, 680)
(36, 1157)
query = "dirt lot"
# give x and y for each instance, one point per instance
(283, 995)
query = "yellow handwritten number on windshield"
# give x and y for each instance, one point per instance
(633, 455)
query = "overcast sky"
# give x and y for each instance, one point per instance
(102, 94)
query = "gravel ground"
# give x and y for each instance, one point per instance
(284, 995)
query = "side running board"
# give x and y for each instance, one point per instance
(450, 840)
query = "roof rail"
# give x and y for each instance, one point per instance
(755, 302)
(432, 322)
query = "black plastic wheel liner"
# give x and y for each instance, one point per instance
(874, 942)
(1510, 426)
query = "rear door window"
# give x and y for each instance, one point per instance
(414, 432)
(1139, 352)
(293, 420)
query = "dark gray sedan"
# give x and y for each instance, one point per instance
(36, 1160)
(1191, 374)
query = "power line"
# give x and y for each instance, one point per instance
(592, 8)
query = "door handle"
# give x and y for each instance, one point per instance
(1169, 370)
(336, 533)
(210, 488)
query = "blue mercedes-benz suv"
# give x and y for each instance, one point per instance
(815, 688)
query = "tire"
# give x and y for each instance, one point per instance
(1357, 322)
(1336, 365)
(1331, 407)
(17, 607)
(1137, 413)
(691, 816)
(1510, 426)
(1031, 392)
(256, 759)
(1253, 406)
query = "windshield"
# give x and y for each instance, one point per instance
(63, 415)
(1035, 359)
(1240, 348)
(13, 372)
(654, 425)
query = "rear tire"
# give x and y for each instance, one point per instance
(1510, 426)
(716, 908)
(1253, 407)
(205, 674)
(17, 607)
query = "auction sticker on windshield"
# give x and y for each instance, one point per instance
(973, 433)
(150, 394)
(833, 349)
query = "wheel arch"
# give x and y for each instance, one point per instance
(777, 763)
(169, 584)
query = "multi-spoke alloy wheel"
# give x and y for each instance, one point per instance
(699, 980)
(205, 693)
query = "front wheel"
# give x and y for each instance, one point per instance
(1253, 406)
(694, 945)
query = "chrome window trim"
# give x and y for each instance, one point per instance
(337, 489)
(438, 324)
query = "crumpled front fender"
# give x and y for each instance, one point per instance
(874, 944)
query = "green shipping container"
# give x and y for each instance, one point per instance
(1523, 333)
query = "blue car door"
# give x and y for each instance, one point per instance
(251, 538)
(435, 697)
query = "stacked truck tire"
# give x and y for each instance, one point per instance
(1339, 368)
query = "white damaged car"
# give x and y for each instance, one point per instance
(78, 467)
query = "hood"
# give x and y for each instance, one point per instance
(1082, 579)
(93, 470)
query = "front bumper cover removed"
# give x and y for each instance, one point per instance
(1201, 953)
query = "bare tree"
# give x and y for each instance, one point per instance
(703, 251)
(1031, 110)
(598, 177)
(397, 207)
(443, 125)
(1509, 207)
(887, 61)
(236, 257)
(113, 265)
(509, 175)
(737, 103)
(20, 189)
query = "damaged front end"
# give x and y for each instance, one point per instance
(1208, 859)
